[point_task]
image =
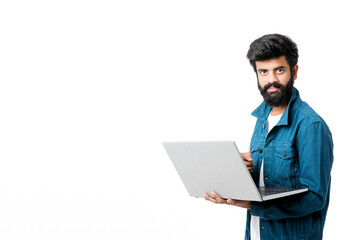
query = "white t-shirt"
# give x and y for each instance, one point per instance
(255, 220)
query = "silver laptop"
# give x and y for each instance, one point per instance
(218, 166)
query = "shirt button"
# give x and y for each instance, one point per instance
(284, 154)
(262, 228)
(259, 150)
(264, 126)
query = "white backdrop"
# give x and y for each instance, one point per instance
(90, 89)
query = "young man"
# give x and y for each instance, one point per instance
(291, 147)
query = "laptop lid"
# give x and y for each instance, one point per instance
(212, 166)
(217, 166)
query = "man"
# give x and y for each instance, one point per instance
(291, 147)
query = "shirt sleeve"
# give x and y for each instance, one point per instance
(315, 151)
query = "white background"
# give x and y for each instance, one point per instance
(90, 89)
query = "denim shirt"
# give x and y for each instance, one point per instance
(297, 152)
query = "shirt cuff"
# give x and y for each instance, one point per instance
(257, 209)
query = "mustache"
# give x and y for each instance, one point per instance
(269, 85)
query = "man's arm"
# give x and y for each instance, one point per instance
(315, 148)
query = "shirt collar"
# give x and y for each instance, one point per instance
(263, 111)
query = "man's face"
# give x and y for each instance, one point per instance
(275, 80)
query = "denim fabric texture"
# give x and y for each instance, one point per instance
(297, 152)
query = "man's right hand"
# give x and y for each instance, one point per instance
(248, 161)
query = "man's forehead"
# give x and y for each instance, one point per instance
(272, 63)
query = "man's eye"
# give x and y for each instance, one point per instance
(262, 72)
(280, 70)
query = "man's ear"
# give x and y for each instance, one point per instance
(295, 70)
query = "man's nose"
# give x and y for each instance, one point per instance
(273, 78)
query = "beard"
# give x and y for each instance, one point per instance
(279, 98)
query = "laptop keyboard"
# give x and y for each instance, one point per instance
(266, 191)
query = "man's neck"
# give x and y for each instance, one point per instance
(278, 110)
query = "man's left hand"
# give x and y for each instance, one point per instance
(217, 199)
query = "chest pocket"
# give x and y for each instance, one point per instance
(287, 166)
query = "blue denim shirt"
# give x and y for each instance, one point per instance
(297, 152)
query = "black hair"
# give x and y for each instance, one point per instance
(273, 46)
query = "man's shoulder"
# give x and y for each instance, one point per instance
(306, 111)
(304, 114)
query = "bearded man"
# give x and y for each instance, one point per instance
(291, 147)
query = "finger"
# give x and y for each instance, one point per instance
(235, 202)
(239, 203)
(250, 165)
(247, 156)
(207, 197)
(218, 198)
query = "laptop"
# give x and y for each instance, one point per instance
(217, 166)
